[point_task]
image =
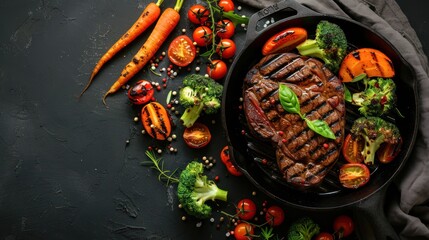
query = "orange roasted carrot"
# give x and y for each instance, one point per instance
(146, 19)
(165, 25)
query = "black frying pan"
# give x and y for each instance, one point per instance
(246, 152)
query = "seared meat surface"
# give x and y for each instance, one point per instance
(303, 156)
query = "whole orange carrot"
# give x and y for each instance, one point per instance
(165, 25)
(146, 19)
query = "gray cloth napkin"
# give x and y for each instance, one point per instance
(408, 210)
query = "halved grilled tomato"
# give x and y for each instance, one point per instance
(197, 136)
(352, 149)
(354, 175)
(156, 120)
(387, 152)
(181, 51)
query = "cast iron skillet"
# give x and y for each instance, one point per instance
(246, 151)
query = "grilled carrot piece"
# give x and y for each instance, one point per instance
(165, 25)
(146, 19)
(369, 61)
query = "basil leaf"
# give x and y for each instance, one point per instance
(320, 127)
(289, 100)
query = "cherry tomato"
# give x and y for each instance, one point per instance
(202, 35)
(217, 69)
(387, 152)
(354, 175)
(225, 28)
(275, 216)
(352, 149)
(285, 40)
(226, 5)
(197, 136)
(324, 236)
(198, 14)
(181, 51)
(141, 92)
(243, 231)
(246, 209)
(226, 48)
(343, 225)
(224, 156)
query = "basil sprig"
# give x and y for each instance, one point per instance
(290, 103)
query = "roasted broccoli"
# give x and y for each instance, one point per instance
(198, 94)
(303, 229)
(378, 98)
(329, 45)
(195, 189)
(374, 131)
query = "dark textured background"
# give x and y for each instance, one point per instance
(66, 171)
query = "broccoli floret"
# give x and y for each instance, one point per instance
(195, 189)
(303, 229)
(199, 94)
(374, 131)
(329, 45)
(378, 98)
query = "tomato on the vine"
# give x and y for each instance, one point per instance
(141, 93)
(225, 28)
(226, 5)
(202, 36)
(226, 48)
(324, 236)
(181, 51)
(197, 136)
(244, 231)
(387, 152)
(343, 225)
(275, 215)
(354, 175)
(352, 149)
(246, 209)
(217, 69)
(198, 14)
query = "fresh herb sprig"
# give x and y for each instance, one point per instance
(215, 10)
(290, 103)
(158, 164)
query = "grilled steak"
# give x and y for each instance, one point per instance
(303, 156)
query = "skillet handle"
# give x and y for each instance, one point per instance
(371, 222)
(287, 8)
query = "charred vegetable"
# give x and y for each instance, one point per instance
(374, 131)
(369, 61)
(378, 98)
(156, 120)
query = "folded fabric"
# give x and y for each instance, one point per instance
(408, 209)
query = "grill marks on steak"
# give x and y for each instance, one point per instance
(303, 157)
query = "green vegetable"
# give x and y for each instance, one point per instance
(374, 131)
(330, 45)
(290, 103)
(378, 98)
(303, 229)
(199, 94)
(195, 189)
